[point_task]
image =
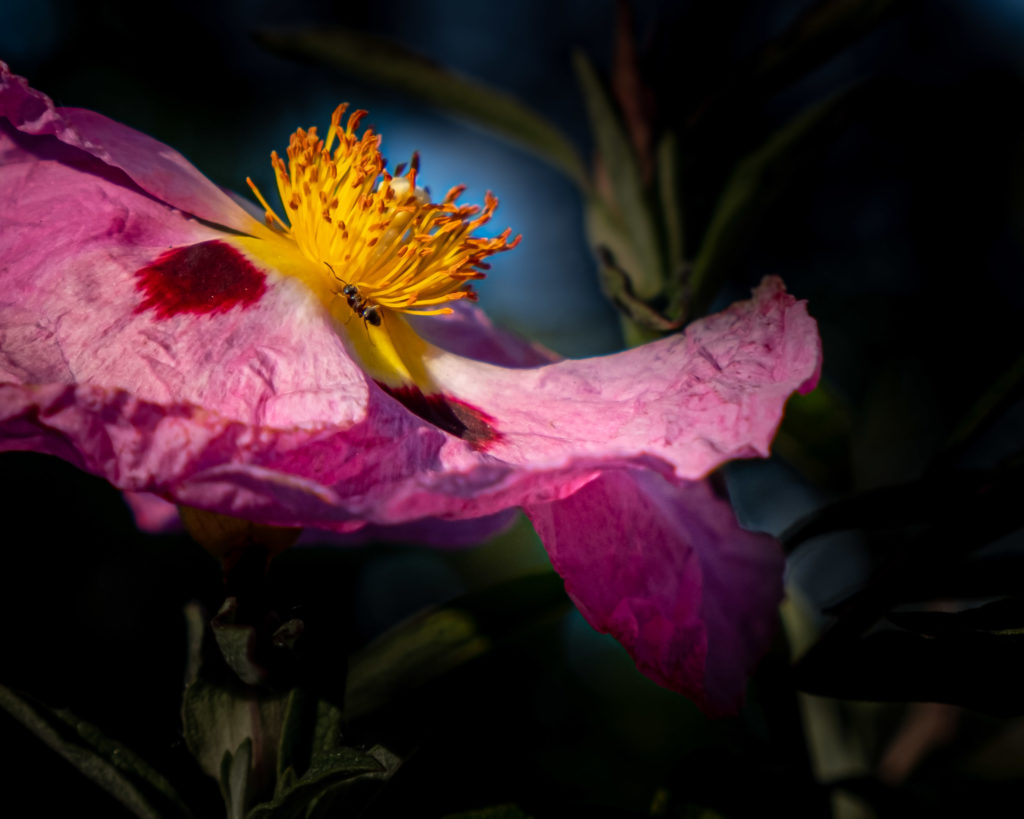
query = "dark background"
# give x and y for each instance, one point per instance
(903, 230)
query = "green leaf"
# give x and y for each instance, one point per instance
(218, 718)
(295, 749)
(235, 780)
(673, 223)
(111, 765)
(754, 186)
(610, 240)
(327, 773)
(618, 288)
(327, 728)
(312, 729)
(237, 643)
(815, 436)
(391, 65)
(626, 211)
(314, 765)
(410, 655)
(349, 797)
(436, 641)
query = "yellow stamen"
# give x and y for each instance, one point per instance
(378, 232)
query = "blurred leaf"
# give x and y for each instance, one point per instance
(311, 731)
(756, 183)
(108, 763)
(434, 642)
(976, 670)
(940, 547)
(1007, 389)
(217, 719)
(817, 35)
(815, 436)
(315, 766)
(409, 655)
(625, 202)
(885, 799)
(633, 96)
(936, 498)
(328, 771)
(896, 434)
(237, 643)
(350, 796)
(495, 812)
(327, 728)
(617, 287)
(295, 749)
(611, 244)
(998, 617)
(886, 507)
(234, 779)
(391, 65)
(956, 516)
(673, 227)
(978, 577)
(278, 755)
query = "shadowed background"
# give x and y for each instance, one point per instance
(903, 230)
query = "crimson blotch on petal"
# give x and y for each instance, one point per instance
(325, 367)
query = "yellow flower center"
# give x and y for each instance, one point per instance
(380, 242)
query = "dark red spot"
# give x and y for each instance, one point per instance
(210, 277)
(462, 420)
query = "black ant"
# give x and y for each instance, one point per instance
(368, 312)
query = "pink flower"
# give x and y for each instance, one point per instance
(324, 367)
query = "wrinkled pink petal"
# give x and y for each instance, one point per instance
(252, 406)
(154, 167)
(668, 572)
(694, 400)
(72, 243)
(260, 412)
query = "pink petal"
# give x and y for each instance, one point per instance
(157, 169)
(694, 400)
(233, 391)
(668, 572)
(259, 412)
(74, 310)
(267, 399)
(467, 332)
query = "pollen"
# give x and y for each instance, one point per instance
(373, 230)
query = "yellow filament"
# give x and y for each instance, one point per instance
(365, 227)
